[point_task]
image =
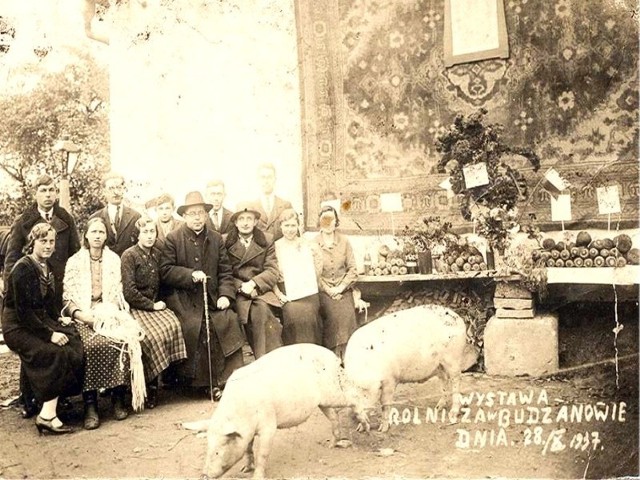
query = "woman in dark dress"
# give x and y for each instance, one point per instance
(163, 342)
(51, 353)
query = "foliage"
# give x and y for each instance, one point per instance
(469, 141)
(426, 234)
(72, 101)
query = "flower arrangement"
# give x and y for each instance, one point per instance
(468, 142)
(429, 233)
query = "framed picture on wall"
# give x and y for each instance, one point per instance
(474, 30)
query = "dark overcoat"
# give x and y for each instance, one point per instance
(67, 240)
(181, 257)
(258, 263)
(127, 235)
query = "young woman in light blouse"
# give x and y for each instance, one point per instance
(300, 263)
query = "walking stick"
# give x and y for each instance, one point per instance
(206, 321)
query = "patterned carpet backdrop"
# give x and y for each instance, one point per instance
(376, 94)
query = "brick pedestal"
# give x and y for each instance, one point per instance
(521, 346)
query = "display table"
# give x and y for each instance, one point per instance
(629, 275)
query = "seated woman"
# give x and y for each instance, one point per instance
(110, 336)
(300, 264)
(51, 353)
(163, 342)
(339, 273)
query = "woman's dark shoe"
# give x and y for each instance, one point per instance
(29, 410)
(91, 418)
(120, 411)
(44, 425)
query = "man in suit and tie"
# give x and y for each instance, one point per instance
(120, 220)
(269, 205)
(167, 221)
(219, 218)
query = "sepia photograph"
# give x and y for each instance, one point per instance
(319, 239)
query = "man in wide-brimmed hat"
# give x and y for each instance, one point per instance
(255, 272)
(195, 255)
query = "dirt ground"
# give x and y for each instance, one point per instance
(151, 444)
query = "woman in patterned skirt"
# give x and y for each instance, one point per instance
(93, 290)
(163, 342)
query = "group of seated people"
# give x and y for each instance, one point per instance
(134, 300)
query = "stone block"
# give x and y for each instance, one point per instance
(513, 303)
(511, 290)
(521, 346)
(506, 313)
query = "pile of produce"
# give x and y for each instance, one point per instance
(587, 252)
(390, 262)
(461, 257)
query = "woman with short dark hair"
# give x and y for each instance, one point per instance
(163, 342)
(51, 353)
(339, 274)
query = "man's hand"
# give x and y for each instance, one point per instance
(335, 292)
(198, 276)
(223, 303)
(159, 305)
(248, 287)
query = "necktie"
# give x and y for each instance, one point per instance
(47, 217)
(116, 220)
(214, 218)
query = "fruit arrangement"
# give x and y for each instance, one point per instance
(587, 252)
(390, 262)
(461, 257)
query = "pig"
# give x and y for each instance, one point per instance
(279, 390)
(411, 345)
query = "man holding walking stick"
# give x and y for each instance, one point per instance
(195, 258)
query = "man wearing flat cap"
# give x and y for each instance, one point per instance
(195, 258)
(255, 272)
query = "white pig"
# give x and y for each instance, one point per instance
(279, 390)
(411, 345)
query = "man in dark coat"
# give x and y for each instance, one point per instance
(269, 205)
(45, 209)
(255, 272)
(120, 220)
(193, 254)
(219, 217)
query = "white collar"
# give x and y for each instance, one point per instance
(44, 213)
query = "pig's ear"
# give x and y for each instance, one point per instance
(230, 431)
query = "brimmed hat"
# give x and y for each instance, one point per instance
(245, 207)
(193, 198)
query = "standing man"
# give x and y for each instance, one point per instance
(255, 273)
(44, 209)
(219, 218)
(120, 220)
(165, 205)
(269, 205)
(193, 255)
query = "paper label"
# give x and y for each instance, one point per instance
(475, 175)
(553, 182)
(608, 199)
(390, 202)
(561, 208)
